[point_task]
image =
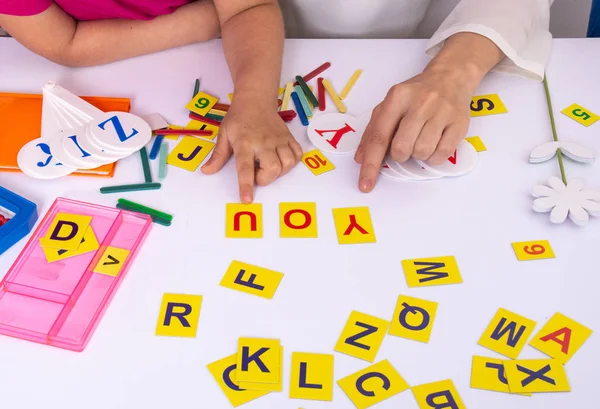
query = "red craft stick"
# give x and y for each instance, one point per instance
(204, 119)
(194, 132)
(315, 72)
(321, 92)
(221, 107)
(287, 116)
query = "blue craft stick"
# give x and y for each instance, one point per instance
(303, 101)
(299, 108)
(156, 146)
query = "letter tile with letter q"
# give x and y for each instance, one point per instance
(413, 318)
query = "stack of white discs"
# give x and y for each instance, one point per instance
(77, 135)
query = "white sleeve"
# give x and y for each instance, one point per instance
(520, 28)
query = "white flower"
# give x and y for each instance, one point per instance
(572, 150)
(571, 200)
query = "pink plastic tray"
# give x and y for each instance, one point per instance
(61, 303)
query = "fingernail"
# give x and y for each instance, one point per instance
(247, 198)
(366, 185)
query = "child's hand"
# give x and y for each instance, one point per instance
(263, 147)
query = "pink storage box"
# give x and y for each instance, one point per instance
(61, 303)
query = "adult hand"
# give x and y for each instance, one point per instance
(263, 147)
(427, 116)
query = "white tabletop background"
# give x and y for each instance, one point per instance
(475, 218)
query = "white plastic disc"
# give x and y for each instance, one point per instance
(35, 159)
(463, 161)
(336, 133)
(412, 169)
(392, 174)
(120, 132)
(87, 143)
(68, 151)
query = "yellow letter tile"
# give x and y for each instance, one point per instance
(490, 104)
(66, 231)
(422, 272)
(311, 376)
(536, 375)
(489, 374)
(259, 360)
(251, 279)
(582, 115)
(189, 153)
(441, 394)
(261, 386)
(201, 126)
(561, 337)
(533, 250)
(224, 371)
(173, 137)
(372, 385)
(477, 143)
(507, 334)
(179, 314)
(112, 261)
(243, 221)
(89, 243)
(201, 103)
(353, 225)
(362, 336)
(413, 318)
(317, 163)
(298, 220)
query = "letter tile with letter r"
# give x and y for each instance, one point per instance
(179, 314)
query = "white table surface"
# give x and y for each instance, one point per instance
(475, 218)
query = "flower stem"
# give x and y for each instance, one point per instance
(554, 134)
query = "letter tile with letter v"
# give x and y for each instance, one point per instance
(561, 337)
(66, 231)
(179, 314)
(489, 374)
(225, 371)
(536, 375)
(243, 221)
(258, 360)
(423, 272)
(353, 225)
(362, 336)
(251, 279)
(189, 153)
(441, 394)
(112, 261)
(413, 318)
(507, 333)
(373, 384)
(311, 376)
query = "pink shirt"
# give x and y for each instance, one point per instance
(95, 9)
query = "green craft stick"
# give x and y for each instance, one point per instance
(130, 188)
(146, 165)
(145, 209)
(162, 161)
(307, 92)
(196, 89)
(214, 117)
(155, 219)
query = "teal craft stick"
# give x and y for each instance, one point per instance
(146, 165)
(307, 92)
(196, 87)
(162, 161)
(155, 219)
(145, 209)
(303, 101)
(130, 188)
(214, 117)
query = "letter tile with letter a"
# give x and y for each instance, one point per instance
(243, 221)
(312, 376)
(423, 272)
(413, 318)
(561, 337)
(438, 395)
(189, 153)
(251, 279)
(225, 372)
(259, 360)
(66, 231)
(298, 220)
(362, 336)
(536, 375)
(353, 225)
(179, 314)
(507, 334)
(489, 374)
(372, 385)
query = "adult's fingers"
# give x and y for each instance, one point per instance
(286, 158)
(244, 163)
(451, 137)
(269, 167)
(429, 138)
(296, 149)
(219, 157)
(409, 129)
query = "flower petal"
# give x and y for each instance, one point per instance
(575, 185)
(591, 206)
(543, 152)
(557, 184)
(544, 204)
(577, 152)
(542, 191)
(592, 194)
(579, 216)
(559, 213)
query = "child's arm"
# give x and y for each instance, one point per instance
(57, 36)
(253, 35)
